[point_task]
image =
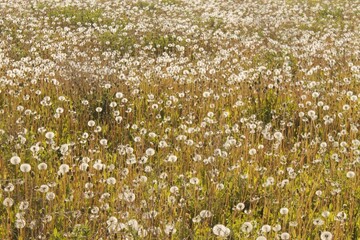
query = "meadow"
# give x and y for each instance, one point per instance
(180, 119)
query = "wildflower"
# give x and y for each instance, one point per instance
(64, 149)
(20, 223)
(346, 107)
(247, 227)
(44, 188)
(318, 222)
(25, 167)
(174, 190)
(9, 188)
(315, 94)
(252, 151)
(285, 236)
(266, 228)
(64, 168)
(142, 232)
(325, 214)
(312, 114)
(50, 196)
(278, 136)
(83, 166)
(49, 135)
(194, 181)
(98, 165)
(171, 158)
(150, 152)
(23, 205)
(163, 144)
(170, 229)
(112, 221)
(220, 186)
(276, 228)
(91, 123)
(119, 95)
(240, 206)
(341, 216)
(129, 196)
(221, 231)
(111, 181)
(284, 211)
(206, 94)
(143, 160)
(15, 160)
(103, 142)
(205, 214)
(8, 202)
(318, 193)
(326, 235)
(350, 174)
(113, 104)
(46, 219)
(59, 110)
(196, 219)
(32, 224)
(261, 238)
(293, 224)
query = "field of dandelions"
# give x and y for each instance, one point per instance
(180, 119)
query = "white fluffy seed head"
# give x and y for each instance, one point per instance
(25, 167)
(350, 174)
(15, 160)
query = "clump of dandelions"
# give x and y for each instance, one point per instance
(221, 231)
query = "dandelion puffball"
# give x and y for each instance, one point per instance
(8, 202)
(150, 152)
(64, 168)
(49, 135)
(221, 231)
(261, 238)
(252, 151)
(103, 142)
(15, 160)
(266, 228)
(350, 174)
(285, 236)
(326, 235)
(247, 227)
(172, 158)
(240, 206)
(25, 167)
(42, 166)
(284, 211)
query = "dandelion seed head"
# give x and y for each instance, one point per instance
(221, 231)
(8, 202)
(350, 174)
(25, 167)
(246, 227)
(15, 160)
(284, 236)
(326, 235)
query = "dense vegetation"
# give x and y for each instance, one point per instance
(180, 119)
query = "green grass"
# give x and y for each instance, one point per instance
(76, 15)
(327, 13)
